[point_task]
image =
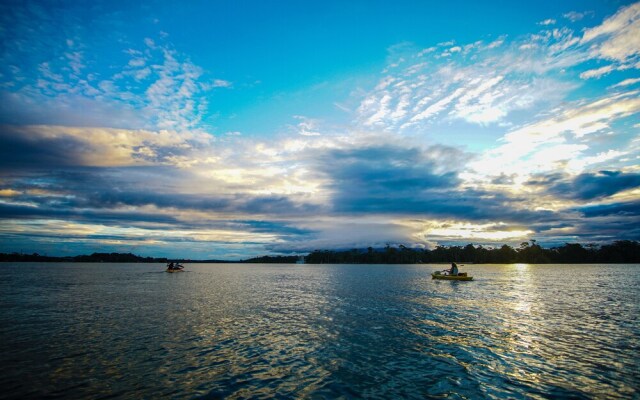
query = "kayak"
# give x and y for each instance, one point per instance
(438, 275)
(174, 267)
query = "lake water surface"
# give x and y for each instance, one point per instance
(318, 331)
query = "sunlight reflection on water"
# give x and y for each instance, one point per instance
(322, 331)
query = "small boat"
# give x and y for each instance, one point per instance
(174, 267)
(460, 277)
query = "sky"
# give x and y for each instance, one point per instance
(232, 129)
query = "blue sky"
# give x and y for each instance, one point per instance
(232, 129)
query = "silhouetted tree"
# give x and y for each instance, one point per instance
(621, 251)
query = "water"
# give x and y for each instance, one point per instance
(318, 331)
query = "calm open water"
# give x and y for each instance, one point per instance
(318, 331)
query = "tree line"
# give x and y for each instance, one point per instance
(621, 251)
(132, 258)
(95, 257)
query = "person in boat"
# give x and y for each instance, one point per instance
(174, 266)
(454, 269)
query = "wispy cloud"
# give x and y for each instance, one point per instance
(547, 22)
(616, 39)
(153, 80)
(550, 143)
(424, 87)
(575, 16)
(425, 91)
(626, 82)
(597, 73)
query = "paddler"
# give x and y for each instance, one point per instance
(454, 269)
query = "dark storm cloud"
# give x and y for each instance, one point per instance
(118, 196)
(106, 204)
(52, 210)
(274, 205)
(503, 179)
(625, 209)
(29, 148)
(20, 151)
(608, 228)
(377, 170)
(264, 204)
(270, 226)
(29, 159)
(384, 179)
(593, 223)
(587, 186)
(124, 193)
(147, 220)
(62, 110)
(393, 179)
(34, 148)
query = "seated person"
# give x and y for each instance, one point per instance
(454, 269)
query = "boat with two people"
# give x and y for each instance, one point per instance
(174, 267)
(451, 274)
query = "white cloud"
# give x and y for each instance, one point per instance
(75, 61)
(577, 165)
(46, 72)
(579, 121)
(626, 82)
(456, 230)
(220, 83)
(137, 62)
(426, 51)
(156, 82)
(532, 72)
(496, 43)
(436, 107)
(142, 73)
(480, 93)
(547, 22)
(575, 16)
(549, 144)
(307, 126)
(597, 73)
(528, 46)
(479, 103)
(617, 36)
(383, 110)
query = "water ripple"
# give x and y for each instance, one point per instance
(352, 331)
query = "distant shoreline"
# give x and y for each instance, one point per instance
(618, 252)
(132, 258)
